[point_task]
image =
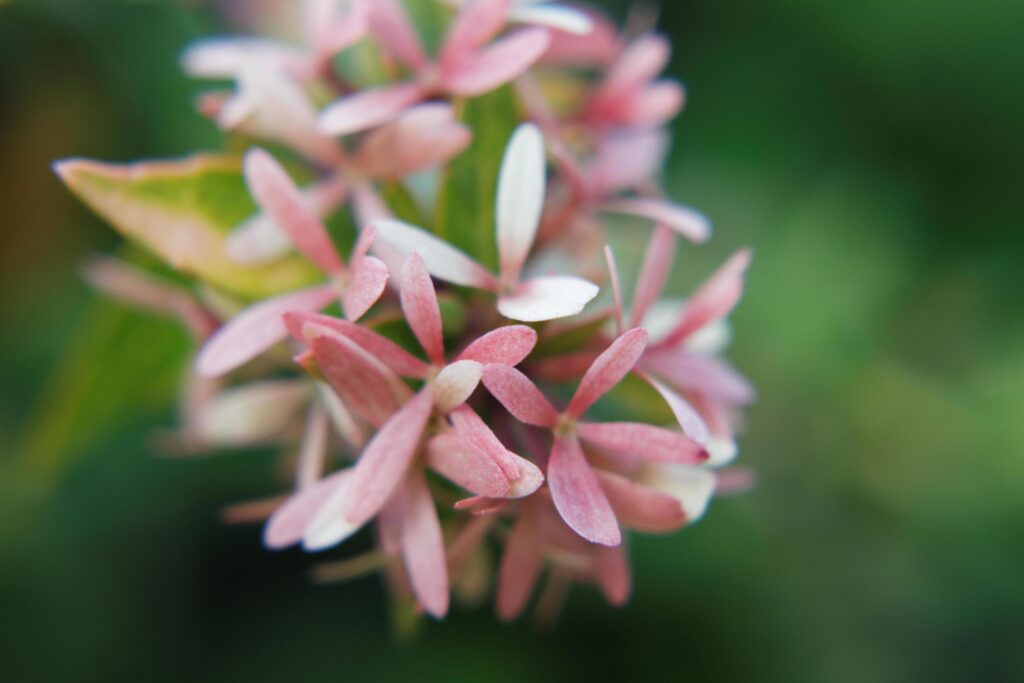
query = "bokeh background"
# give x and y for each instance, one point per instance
(870, 152)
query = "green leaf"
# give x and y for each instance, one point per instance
(465, 203)
(180, 211)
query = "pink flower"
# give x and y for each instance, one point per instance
(520, 202)
(466, 67)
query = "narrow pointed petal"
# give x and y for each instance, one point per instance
(310, 463)
(640, 62)
(226, 58)
(644, 441)
(507, 345)
(520, 199)
(563, 18)
(421, 309)
(280, 198)
(547, 298)
(366, 284)
(613, 276)
(691, 224)
(250, 413)
(705, 375)
(524, 477)
(519, 395)
(497, 64)
(459, 460)
(396, 33)
(715, 299)
(691, 486)
(578, 496)
(474, 25)
(521, 564)
(384, 462)
(345, 423)
(612, 570)
(689, 419)
(255, 330)
(657, 265)
(641, 507)
(423, 547)
(386, 351)
(289, 523)
(368, 108)
(608, 370)
(455, 384)
(426, 135)
(444, 261)
(363, 382)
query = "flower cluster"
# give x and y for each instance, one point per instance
(452, 394)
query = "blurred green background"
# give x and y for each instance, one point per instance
(869, 152)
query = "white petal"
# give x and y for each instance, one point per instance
(520, 198)
(547, 298)
(691, 486)
(442, 260)
(330, 526)
(251, 413)
(559, 17)
(455, 383)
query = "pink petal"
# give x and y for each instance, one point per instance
(459, 460)
(330, 31)
(715, 299)
(598, 47)
(612, 570)
(476, 23)
(628, 161)
(507, 345)
(578, 496)
(519, 395)
(613, 276)
(520, 202)
(455, 384)
(644, 441)
(641, 507)
(423, 547)
(368, 108)
(687, 222)
(524, 477)
(365, 286)
(384, 462)
(444, 261)
(422, 312)
(255, 412)
(363, 382)
(521, 564)
(496, 65)
(386, 351)
(654, 105)
(426, 135)
(689, 419)
(255, 330)
(608, 370)
(657, 265)
(395, 32)
(280, 198)
(706, 375)
(289, 523)
(547, 298)
(640, 62)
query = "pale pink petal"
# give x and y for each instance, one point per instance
(310, 463)
(519, 395)
(421, 309)
(578, 496)
(255, 330)
(507, 345)
(612, 570)
(640, 62)
(689, 223)
(280, 198)
(524, 477)
(627, 161)
(459, 460)
(455, 384)
(597, 48)
(444, 261)
(367, 282)
(368, 108)
(423, 547)
(426, 135)
(521, 564)
(657, 265)
(547, 298)
(476, 23)
(654, 105)
(384, 462)
(289, 523)
(226, 58)
(715, 299)
(643, 441)
(496, 65)
(396, 33)
(608, 370)
(250, 413)
(330, 31)
(521, 185)
(641, 507)
(689, 419)
(561, 17)
(613, 276)
(329, 526)
(363, 382)
(386, 351)
(706, 375)
(345, 423)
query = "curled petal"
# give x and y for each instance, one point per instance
(422, 311)
(459, 460)
(455, 383)
(520, 565)
(689, 223)
(689, 419)
(520, 199)
(423, 547)
(644, 441)
(444, 261)
(507, 345)
(255, 330)
(497, 64)
(714, 299)
(523, 476)
(424, 136)
(289, 523)
(578, 496)
(547, 298)
(386, 458)
(368, 108)
(641, 507)
(608, 370)
(519, 395)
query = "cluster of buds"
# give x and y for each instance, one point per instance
(446, 439)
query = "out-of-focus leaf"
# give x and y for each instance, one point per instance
(180, 210)
(465, 203)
